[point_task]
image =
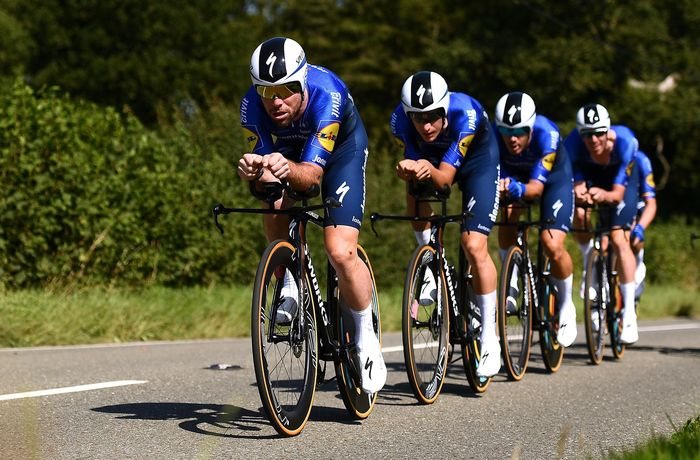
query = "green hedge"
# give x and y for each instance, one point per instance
(89, 196)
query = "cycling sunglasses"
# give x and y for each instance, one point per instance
(427, 117)
(590, 134)
(278, 91)
(513, 131)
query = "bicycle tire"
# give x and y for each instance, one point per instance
(470, 324)
(425, 329)
(615, 313)
(285, 357)
(357, 402)
(515, 323)
(552, 351)
(594, 306)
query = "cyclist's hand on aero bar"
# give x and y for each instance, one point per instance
(250, 166)
(277, 164)
(597, 194)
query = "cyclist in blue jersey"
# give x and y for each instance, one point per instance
(534, 164)
(646, 212)
(302, 126)
(602, 158)
(447, 138)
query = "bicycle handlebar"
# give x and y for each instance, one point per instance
(272, 191)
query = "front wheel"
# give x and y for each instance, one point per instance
(358, 403)
(515, 313)
(284, 353)
(552, 351)
(425, 325)
(594, 305)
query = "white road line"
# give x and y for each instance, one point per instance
(670, 327)
(57, 391)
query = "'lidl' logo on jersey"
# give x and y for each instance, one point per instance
(630, 165)
(464, 144)
(327, 135)
(251, 137)
(548, 160)
(650, 180)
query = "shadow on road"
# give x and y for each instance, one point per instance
(222, 420)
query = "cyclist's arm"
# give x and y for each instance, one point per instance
(648, 214)
(301, 176)
(581, 191)
(533, 189)
(614, 196)
(442, 176)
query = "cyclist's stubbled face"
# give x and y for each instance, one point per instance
(430, 131)
(516, 144)
(596, 143)
(284, 111)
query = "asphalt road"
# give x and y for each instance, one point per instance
(164, 400)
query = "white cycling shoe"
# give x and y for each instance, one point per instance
(371, 364)
(428, 291)
(288, 300)
(490, 361)
(630, 334)
(567, 325)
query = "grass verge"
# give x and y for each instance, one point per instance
(684, 444)
(34, 318)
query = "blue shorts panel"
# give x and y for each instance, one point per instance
(344, 180)
(557, 204)
(478, 180)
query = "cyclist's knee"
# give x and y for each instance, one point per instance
(475, 246)
(342, 255)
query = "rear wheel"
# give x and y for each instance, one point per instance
(552, 352)
(284, 355)
(425, 326)
(358, 403)
(515, 313)
(594, 307)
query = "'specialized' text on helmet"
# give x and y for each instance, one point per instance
(592, 118)
(516, 110)
(425, 91)
(278, 61)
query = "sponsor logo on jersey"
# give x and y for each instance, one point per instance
(464, 141)
(251, 137)
(630, 165)
(328, 134)
(650, 180)
(548, 160)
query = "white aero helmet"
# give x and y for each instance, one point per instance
(278, 61)
(592, 118)
(516, 110)
(424, 92)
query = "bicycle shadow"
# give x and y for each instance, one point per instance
(220, 420)
(665, 350)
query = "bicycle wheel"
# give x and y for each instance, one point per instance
(594, 306)
(470, 324)
(358, 403)
(425, 326)
(615, 311)
(284, 356)
(515, 313)
(552, 352)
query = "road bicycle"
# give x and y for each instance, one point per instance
(602, 298)
(528, 304)
(431, 330)
(286, 354)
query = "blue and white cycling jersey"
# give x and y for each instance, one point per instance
(618, 169)
(467, 123)
(329, 119)
(647, 187)
(540, 157)
(330, 134)
(469, 145)
(545, 160)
